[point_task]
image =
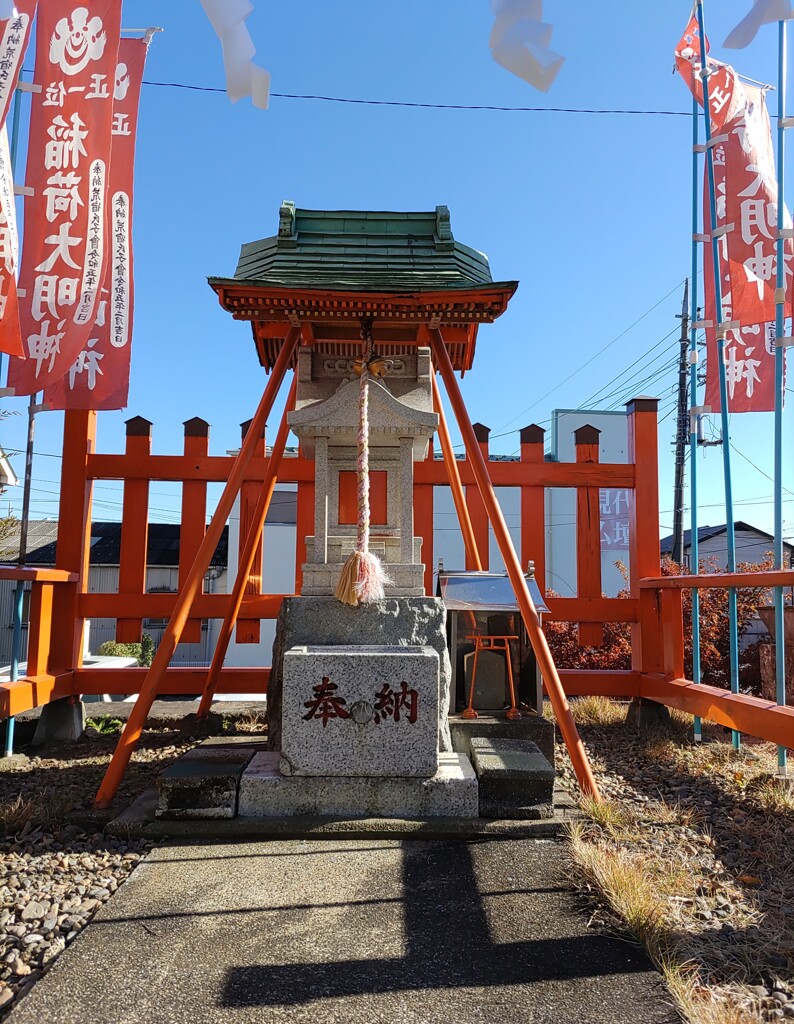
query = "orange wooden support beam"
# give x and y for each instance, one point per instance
(74, 539)
(581, 765)
(252, 548)
(749, 715)
(424, 500)
(721, 580)
(644, 555)
(533, 507)
(192, 587)
(473, 559)
(40, 628)
(247, 630)
(193, 518)
(588, 535)
(477, 513)
(134, 529)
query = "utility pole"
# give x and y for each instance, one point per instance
(682, 432)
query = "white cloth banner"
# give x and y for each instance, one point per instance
(764, 12)
(520, 42)
(243, 77)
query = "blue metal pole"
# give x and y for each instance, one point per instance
(694, 554)
(720, 332)
(780, 313)
(16, 647)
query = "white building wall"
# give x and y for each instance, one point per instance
(561, 502)
(278, 577)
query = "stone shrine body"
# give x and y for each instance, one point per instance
(401, 422)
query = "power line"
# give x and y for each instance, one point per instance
(592, 359)
(318, 97)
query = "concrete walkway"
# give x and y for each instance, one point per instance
(347, 931)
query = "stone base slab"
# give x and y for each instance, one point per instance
(515, 779)
(203, 782)
(497, 726)
(266, 793)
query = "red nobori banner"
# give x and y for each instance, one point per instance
(746, 199)
(99, 378)
(10, 334)
(749, 357)
(14, 36)
(66, 220)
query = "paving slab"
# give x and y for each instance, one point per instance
(343, 931)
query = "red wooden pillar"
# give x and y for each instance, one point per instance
(74, 538)
(423, 524)
(134, 529)
(533, 507)
(40, 627)
(474, 502)
(194, 514)
(644, 557)
(588, 536)
(304, 525)
(247, 630)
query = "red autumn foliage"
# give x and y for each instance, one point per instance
(615, 652)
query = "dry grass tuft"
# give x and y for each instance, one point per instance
(592, 710)
(250, 722)
(41, 809)
(700, 1004)
(624, 884)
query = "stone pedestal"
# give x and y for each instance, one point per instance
(360, 711)
(451, 793)
(397, 623)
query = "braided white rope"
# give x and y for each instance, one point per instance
(362, 462)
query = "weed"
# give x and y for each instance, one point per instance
(105, 725)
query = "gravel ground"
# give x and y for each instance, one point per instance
(716, 822)
(56, 866)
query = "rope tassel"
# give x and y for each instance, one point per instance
(363, 579)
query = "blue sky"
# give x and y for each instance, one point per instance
(591, 213)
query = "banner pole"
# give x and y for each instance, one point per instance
(719, 327)
(780, 355)
(694, 540)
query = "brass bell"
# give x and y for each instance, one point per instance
(358, 366)
(377, 366)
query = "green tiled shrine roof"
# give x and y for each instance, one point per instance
(363, 251)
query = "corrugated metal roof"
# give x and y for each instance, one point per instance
(363, 250)
(706, 532)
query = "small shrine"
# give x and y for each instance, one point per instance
(401, 424)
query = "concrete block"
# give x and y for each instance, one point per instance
(394, 622)
(203, 783)
(644, 714)
(497, 726)
(360, 711)
(515, 779)
(266, 793)
(61, 721)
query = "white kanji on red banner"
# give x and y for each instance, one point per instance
(99, 376)
(66, 220)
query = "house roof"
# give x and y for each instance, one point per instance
(162, 548)
(706, 532)
(361, 250)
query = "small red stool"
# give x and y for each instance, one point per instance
(492, 643)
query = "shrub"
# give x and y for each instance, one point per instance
(147, 651)
(114, 649)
